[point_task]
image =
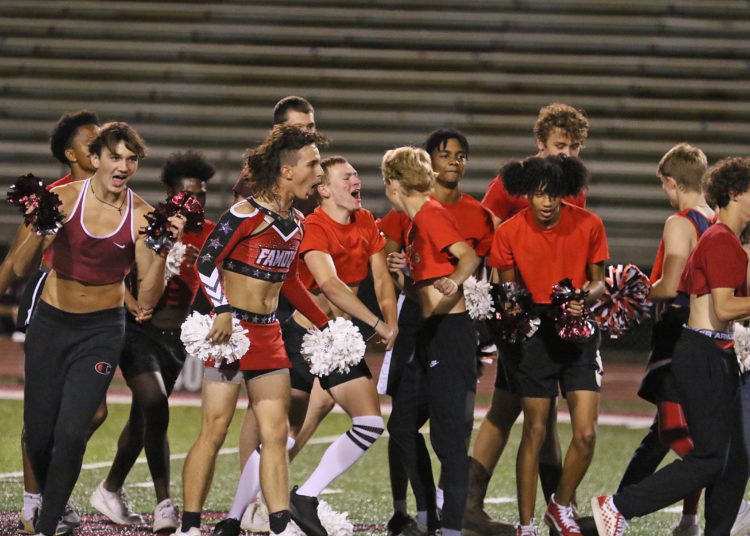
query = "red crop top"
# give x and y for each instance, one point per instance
(433, 230)
(77, 254)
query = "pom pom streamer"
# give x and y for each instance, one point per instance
(157, 233)
(193, 336)
(625, 302)
(571, 328)
(336, 348)
(39, 206)
(478, 298)
(742, 344)
(515, 319)
(174, 260)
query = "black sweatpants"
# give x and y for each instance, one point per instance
(445, 353)
(707, 381)
(646, 458)
(70, 361)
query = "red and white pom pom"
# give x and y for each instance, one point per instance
(478, 298)
(174, 260)
(193, 336)
(742, 345)
(336, 348)
(625, 302)
(569, 327)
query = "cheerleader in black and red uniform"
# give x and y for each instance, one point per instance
(255, 244)
(440, 261)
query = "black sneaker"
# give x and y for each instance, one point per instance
(397, 523)
(227, 527)
(304, 512)
(414, 529)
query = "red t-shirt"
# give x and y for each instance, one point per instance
(433, 230)
(67, 179)
(503, 205)
(474, 224)
(349, 245)
(395, 226)
(717, 261)
(542, 257)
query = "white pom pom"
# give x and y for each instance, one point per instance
(335, 349)
(193, 336)
(742, 345)
(335, 523)
(478, 298)
(174, 260)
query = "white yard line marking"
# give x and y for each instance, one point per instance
(223, 452)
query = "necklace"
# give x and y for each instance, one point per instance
(119, 209)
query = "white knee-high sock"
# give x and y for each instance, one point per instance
(249, 485)
(343, 452)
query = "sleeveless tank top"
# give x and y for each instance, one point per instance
(701, 223)
(98, 260)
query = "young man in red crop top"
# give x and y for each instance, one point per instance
(705, 371)
(440, 260)
(152, 360)
(559, 129)
(680, 171)
(255, 246)
(76, 333)
(341, 242)
(541, 245)
(69, 143)
(401, 377)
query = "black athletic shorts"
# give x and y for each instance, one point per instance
(501, 378)
(301, 377)
(545, 364)
(150, 349)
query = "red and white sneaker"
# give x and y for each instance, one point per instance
(609, 521)
(527, 530)
(561, 519)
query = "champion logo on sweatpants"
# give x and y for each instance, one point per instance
(103, 368)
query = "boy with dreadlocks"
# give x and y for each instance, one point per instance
(568, 242)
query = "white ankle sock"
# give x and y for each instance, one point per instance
(249, 485)
(342, 453)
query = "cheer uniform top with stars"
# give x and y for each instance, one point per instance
(269, 254)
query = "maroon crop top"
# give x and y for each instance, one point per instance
(97, 260)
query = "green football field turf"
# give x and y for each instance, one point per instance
(364, 491)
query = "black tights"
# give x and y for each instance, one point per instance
(146, 428)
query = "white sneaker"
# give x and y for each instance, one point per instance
(255, 518)
(741, 525)
(115, 505)
(165, 516)
(192, 531)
